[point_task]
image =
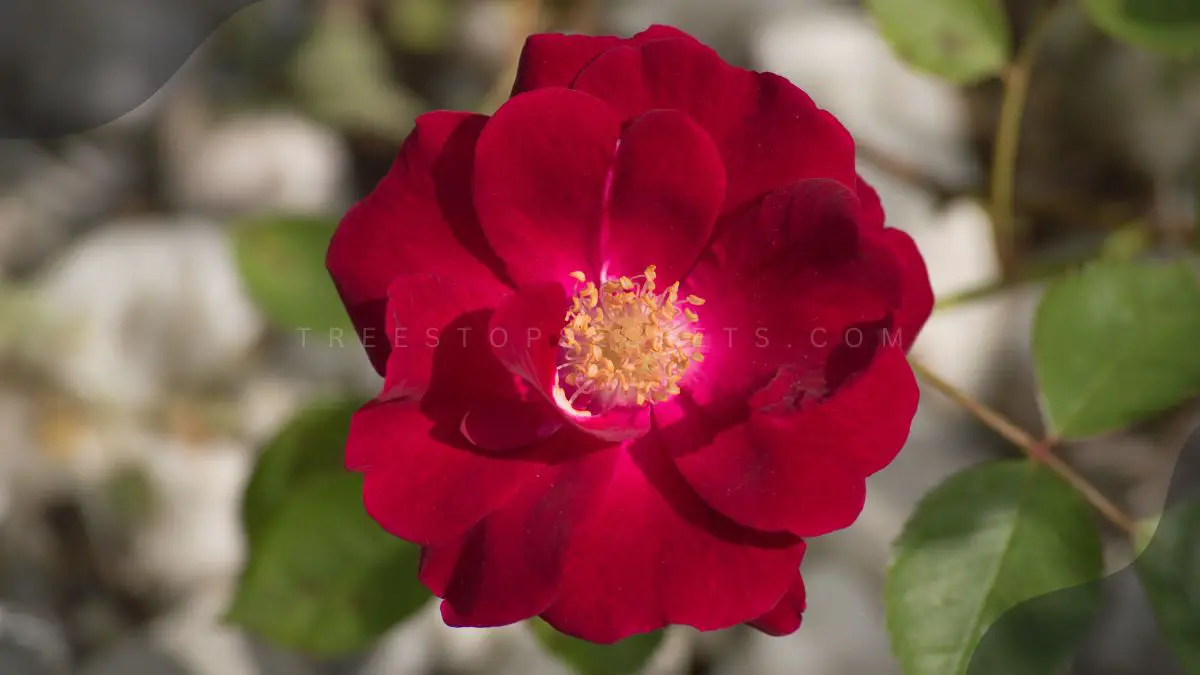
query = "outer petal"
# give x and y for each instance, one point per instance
(916, 304)
(805, 471)
(666, 192)
(418, 219)
(654, 554)
(554, 60)
(542, 168)
(872, 209)
(785, 618)
(425, 487)
(509, 566)
(770, 133)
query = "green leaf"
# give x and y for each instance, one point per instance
(1168, 26)
(282, 263)
(312, 444)
(981, 543)
(586, 658)
(962, 41)
(323, 578)
(1169, 569)
(1117, 344)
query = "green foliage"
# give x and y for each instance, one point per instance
(585, 658)
(310, 446)
(1168, 26)
(322, 577)
(1117, 344)
(981, 543)
(342, 76)
(962, 41)
(1128, 242)
(420, 26)
(1169, 569)
(282, 263)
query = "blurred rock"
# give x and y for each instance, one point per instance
(195, 536)
(192, 641)
(146, 307)
(489, 31)
(50, 196)
(31, 645)
(726, 26)
(838, 57)
(254, 162)
(511, 650)
(842, 631)
(409, 648)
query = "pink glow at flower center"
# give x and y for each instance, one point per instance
(626, 344)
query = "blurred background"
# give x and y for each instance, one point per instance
(160, 321)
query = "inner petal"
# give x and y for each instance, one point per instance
(625, 343)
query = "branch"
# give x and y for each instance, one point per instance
(1036, 450)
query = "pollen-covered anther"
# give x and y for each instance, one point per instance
(626, 343)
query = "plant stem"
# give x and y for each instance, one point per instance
(1036, 450)
(1008, 136)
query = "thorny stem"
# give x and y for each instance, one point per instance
(1008, 135)
(1036, 450)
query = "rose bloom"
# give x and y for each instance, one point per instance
(643, 331)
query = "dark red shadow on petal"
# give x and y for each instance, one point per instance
(454, 181)
(509, 567)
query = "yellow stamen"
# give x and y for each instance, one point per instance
(625, 344)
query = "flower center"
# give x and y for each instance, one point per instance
(625, 343)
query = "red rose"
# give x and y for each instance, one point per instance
(643, 331)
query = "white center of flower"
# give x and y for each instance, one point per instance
(626, 344)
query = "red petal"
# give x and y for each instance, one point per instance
(654, 554)
(783, 286)
(542, 166)
(772, 475)
(667, 188)
(805, 471)
(872, 209)
(917, 300)
(418, 219)
(420, 308)
(785, 618)
(423, 486)
(505, 425)
(527, 328)
(509, 566)
(769, 132)
(554, 60)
